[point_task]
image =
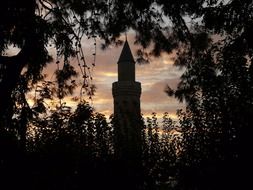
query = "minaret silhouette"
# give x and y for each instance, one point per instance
(127, 113)
(126, 91)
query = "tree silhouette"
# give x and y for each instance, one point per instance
(35, 25)
(217, 87)
(58, 148)
(75, 150)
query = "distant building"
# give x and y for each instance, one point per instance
(127, 112)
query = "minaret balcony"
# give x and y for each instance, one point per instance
(126, 88)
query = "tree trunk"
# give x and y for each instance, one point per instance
(11, 68)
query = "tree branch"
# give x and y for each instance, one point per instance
(45, 6)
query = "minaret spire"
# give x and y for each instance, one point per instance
(126, 54)
(126, 64)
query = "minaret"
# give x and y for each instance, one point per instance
(126, 94)
(126, 91)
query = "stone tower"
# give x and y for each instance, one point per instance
(126, 94)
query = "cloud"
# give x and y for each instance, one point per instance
(153, 76)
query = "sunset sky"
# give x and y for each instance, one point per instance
(154, 77)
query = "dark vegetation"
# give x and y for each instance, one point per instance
(66, 150)
(42, 148)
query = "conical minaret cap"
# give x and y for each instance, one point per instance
(126, 54)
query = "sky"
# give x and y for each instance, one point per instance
(153, 77)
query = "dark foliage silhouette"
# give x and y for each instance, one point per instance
(209, 147)
(75, 150)
(217, 88)
(34, 25)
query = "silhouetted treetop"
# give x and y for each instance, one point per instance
(217, 89)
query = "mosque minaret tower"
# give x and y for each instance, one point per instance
(127, 112)
(126, 91)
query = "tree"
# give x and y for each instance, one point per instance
(34, 25)
(217, 83)
(217, 88)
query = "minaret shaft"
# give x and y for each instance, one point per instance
(126, 96)
(126, 71)
(127, 112)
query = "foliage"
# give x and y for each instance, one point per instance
(217, 88)
(62, 148)
(76, 149)
(35, 25)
